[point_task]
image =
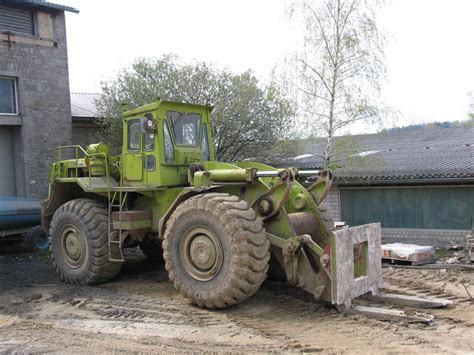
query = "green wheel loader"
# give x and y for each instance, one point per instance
(215, 224)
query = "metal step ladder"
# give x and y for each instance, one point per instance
(116, 236)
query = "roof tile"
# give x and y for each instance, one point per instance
(417, 153)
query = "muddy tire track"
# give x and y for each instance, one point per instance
(141, 312)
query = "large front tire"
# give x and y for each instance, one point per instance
(216, 250)
(79, 243)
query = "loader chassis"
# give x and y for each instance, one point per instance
(215, 224)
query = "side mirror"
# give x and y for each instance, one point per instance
(148, 126)
(145, 125)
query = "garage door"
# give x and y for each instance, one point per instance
(7, 163)
(429, 207)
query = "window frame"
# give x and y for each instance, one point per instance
(129, 147)
(146, 158)
(34, 20)
(15, 93)
(205, 139)
(166, 125)
(199, 133)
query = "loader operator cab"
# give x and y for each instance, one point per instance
(162, 139)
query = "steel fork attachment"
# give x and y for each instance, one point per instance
(299, 255)
(298, 268)
(347, 268)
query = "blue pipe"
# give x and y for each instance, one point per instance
(19, 212)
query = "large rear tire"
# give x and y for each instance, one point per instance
(216, 250)
(79, 243)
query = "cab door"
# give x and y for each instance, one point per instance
(132, 160)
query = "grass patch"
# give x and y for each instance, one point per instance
(43, 255)
(443, 253)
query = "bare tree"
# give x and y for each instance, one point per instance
(337, 74)
(471, 109)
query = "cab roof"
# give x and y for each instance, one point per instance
(154, 105)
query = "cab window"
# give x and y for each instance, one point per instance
(206, 152)
(169, 149)
(134, 135)
(185, 127)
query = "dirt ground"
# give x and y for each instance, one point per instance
(141, 312)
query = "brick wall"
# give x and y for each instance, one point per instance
(84, 133)
(435, 237)
(44, 121)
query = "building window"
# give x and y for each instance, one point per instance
(8, 96)
(17, 21)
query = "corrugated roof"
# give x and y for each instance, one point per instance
(41, 4)
(407, 154)
(83, 105)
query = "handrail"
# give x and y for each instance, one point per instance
(78, 148)
(81, 153)
(110, 199)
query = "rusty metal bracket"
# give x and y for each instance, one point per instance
(317, 251)
(320, 188)
(265, 203)
(290, 253)
(299, 271)
(9, 39)
(290, 249)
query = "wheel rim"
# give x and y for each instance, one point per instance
(201, 253)
(73, 246)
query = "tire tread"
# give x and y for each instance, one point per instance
(247, 271)
(93, 216)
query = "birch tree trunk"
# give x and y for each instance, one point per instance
(337, 74)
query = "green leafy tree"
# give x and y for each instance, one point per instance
(249, 118)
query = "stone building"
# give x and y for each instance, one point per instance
(418, 182)
(35, 111)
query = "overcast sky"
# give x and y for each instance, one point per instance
(430, 57)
